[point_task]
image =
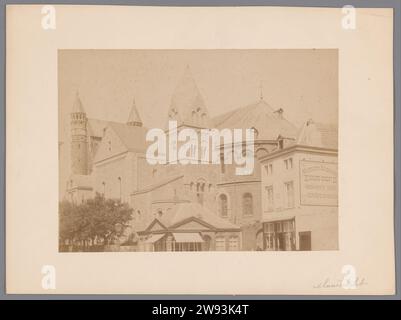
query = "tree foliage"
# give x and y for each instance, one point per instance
(96, 218)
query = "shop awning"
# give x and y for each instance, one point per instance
(278, 217)
(187, 237)
(154, 238)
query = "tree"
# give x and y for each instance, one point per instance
(96, 218)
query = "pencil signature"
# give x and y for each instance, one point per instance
(339, 283)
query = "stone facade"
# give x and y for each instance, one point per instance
(300, 192)
(109, 158)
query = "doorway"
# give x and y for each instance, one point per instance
(305, 241)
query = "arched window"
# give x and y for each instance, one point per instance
(247, 204)
(200, 189)
(223, 205)
(222, 164)
(203, 117)
(261, 152)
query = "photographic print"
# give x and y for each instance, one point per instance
(198, 150)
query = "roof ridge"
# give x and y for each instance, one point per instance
(157, 185)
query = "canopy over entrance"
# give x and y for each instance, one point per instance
(187, 237)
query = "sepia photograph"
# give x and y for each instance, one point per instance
(214, 151)
(198, 150)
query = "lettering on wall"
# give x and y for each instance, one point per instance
(318, 183)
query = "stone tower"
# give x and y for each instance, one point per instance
(187, 106)
(79, 139)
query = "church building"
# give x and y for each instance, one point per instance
(110, 158)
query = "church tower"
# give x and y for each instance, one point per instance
(134, 119)
(79, 139)
(187, 106)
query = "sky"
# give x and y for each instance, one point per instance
(302, 82)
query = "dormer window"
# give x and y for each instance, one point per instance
(256, 132)
(279, 112)
(281, 144)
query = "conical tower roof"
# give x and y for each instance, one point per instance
(134, 119)
(187, 105)
(77, 105)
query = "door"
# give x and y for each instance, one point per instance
(206, 244)
(305, 241)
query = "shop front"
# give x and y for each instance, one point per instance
(279, 235)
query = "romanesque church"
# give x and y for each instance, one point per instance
(176, 207)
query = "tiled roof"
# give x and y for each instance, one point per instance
(133, 137)
(260, 116)
(158, 184)
(185, 210)
(96, 127)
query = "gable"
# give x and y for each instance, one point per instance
(192, 225)
(156, 225)
(110, 146)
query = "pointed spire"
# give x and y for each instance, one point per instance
(77, 106)
(134, 119)
(187, 105)
(261, 90)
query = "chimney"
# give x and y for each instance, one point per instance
(279, 113)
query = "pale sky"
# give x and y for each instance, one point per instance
(302, 82)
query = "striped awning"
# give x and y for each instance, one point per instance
(187, 237)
